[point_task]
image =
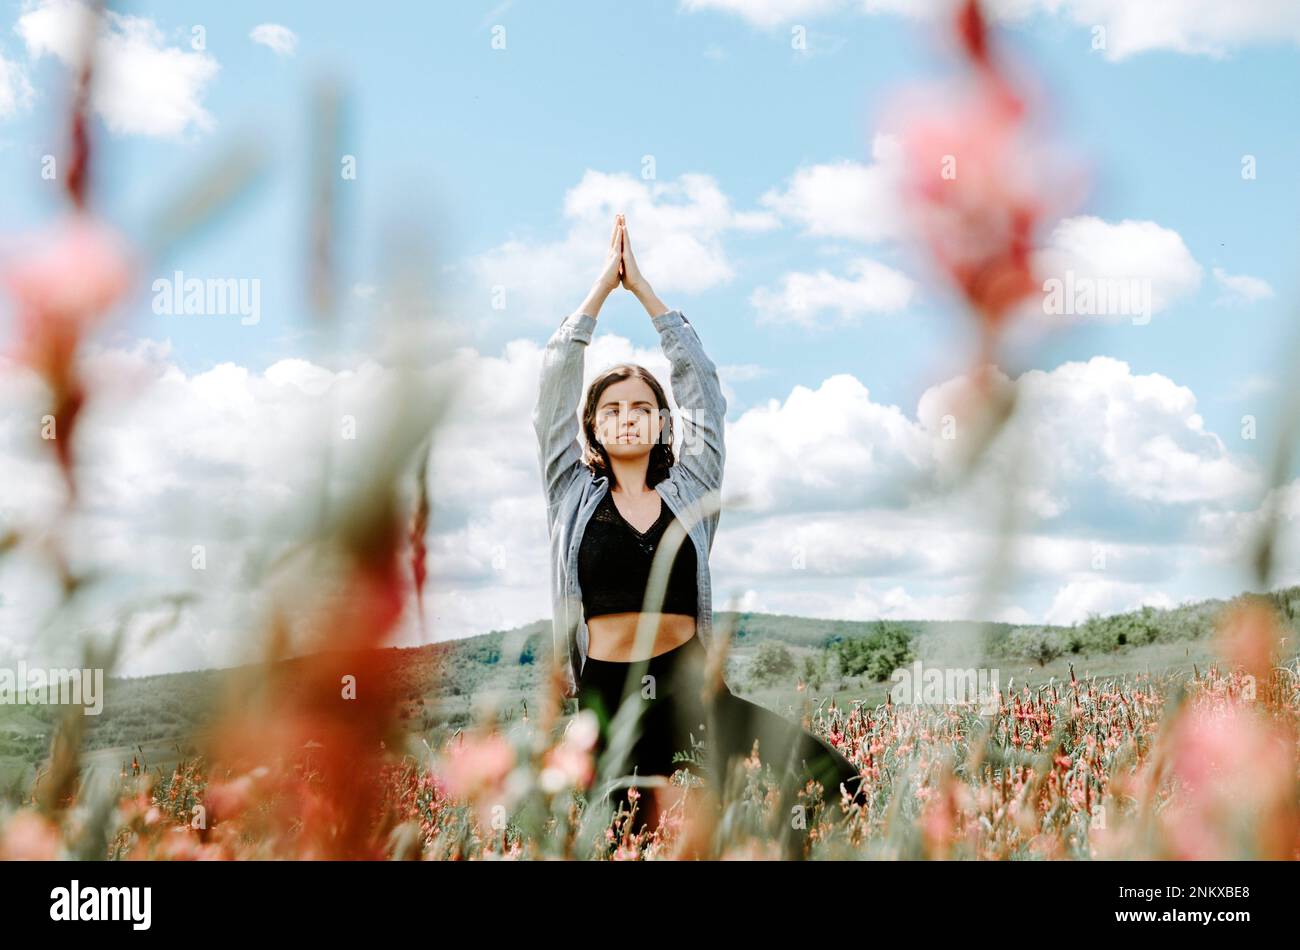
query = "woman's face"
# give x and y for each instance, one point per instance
(627, 418)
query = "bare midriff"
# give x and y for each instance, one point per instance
(612, 637)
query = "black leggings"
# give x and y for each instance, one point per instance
(673, 710)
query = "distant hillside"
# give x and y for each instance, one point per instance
(771, 652)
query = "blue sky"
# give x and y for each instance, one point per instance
(515, 159)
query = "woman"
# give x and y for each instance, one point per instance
(631, 527)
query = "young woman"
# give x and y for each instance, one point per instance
(631, 527)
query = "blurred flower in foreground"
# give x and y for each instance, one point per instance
(978, 188)
(29, 836)
(571, 762)
(477, 766)
(328, 716)
(1235, 770)
(62, 283)
(1221, 782)
(1249, 636)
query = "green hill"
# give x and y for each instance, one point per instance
(441, 683)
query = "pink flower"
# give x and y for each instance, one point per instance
(63, 282)
(67, 278)
(571, 763)
(1249, 636)
(977, 186)
(227, 799)
(1236, 773)
(29, 836)
(477, 765)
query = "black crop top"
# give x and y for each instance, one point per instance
(614, 564)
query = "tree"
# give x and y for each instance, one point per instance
(814, 669)
(772, 662)
(876, 655)
(1037, 643)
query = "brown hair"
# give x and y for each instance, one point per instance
(661, 454)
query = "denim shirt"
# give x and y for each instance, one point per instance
(692, 489)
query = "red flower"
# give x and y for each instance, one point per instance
(977, 185)
(63, 282)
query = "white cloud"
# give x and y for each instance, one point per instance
(279, 39)
(766, 13)
(829, 448)
(15, 90)
(1104, 444)
(845, 199)
(835, 506)
(1141, 432)
(804, 298)
(865, 601)
(1086, 253)
(1240, 288)
(1075, 601)
(226, 458)
(676, 229)
(1201, 27)
(1196, 27)
(143, 86)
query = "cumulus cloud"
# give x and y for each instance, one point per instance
(837, 505)
(829, 448)
(227, 458)
(845, 199)
(1140, 434)
(280, 39)
(233, 459)
(1105, 440)
(677, 229)
(1116, 477)
(807, 299)
(1194, 27)
(143, 85)
(1078, 600)
(1127, 269)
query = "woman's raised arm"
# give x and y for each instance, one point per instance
(696, 389)
(555, 418)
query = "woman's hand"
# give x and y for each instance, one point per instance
(610, 275)
(609, 278)
(634, 280)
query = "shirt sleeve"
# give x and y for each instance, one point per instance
(698, 394)
(555, 419)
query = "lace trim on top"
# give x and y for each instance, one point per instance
(614, 564)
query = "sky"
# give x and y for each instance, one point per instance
(750, 144)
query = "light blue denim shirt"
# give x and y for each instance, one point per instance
(691, 490)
